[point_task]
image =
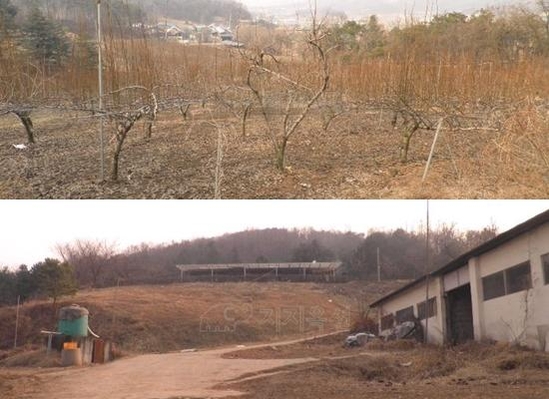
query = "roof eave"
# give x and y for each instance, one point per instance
(500, 239)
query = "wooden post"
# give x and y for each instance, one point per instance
(212, 274)
(50, 339)
(439, 128)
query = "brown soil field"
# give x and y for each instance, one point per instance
(401, 370)
(358, 157)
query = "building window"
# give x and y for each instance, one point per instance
(406, 314)
(545, 265)
(493, 286)
(431, 309)
(515, 279)
(518, 278)
(387, 322)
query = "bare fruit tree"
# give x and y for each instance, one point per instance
(125, 120)
(21, 90)
(285, 94)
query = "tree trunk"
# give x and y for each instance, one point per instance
(245, 118)
(24, 117)
(148, 130)
(184, 111)
(281, 154)
(406, 139)
(116, 159)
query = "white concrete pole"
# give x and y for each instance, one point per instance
(100, 79)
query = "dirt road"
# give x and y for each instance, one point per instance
(156, 376)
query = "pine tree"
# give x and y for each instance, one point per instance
(45, 39)
(54, 279)
(7, 15)
(7, 12)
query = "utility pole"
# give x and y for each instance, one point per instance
(16, 322)
(100, 77)
(427, 270)
(378, 267)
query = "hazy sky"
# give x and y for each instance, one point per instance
(30, 229)
(388, 9)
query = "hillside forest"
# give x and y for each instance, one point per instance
(94, 264)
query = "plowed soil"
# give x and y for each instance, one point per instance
(358, 157)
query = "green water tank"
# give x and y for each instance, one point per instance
(73, 321)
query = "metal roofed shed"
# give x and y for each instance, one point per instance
(296, 271)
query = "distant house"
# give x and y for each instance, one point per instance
(497, 291)
(221, 34)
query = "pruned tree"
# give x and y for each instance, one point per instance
(408, 120)
(24, 117)
(284, 98)
(124, 121)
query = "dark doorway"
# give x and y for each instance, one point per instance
(460, 315)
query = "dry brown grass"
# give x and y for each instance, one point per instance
(33, 356)
(412, 370)
(173, 317)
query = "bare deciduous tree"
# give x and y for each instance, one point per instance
(125, 121)
(272, 86)
(88, 257)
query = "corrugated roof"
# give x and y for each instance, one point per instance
(302, 265)
(462, 260)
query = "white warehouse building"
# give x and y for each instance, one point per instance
(497, 291)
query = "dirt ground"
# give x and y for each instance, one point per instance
(401, 370)
(169, 319)
(358, 157)
(318, 368)
(161, 376)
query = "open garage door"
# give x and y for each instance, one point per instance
(459, 315)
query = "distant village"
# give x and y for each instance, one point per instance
(220, 32)
(187, 32)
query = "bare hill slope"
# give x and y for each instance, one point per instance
(143, 319)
